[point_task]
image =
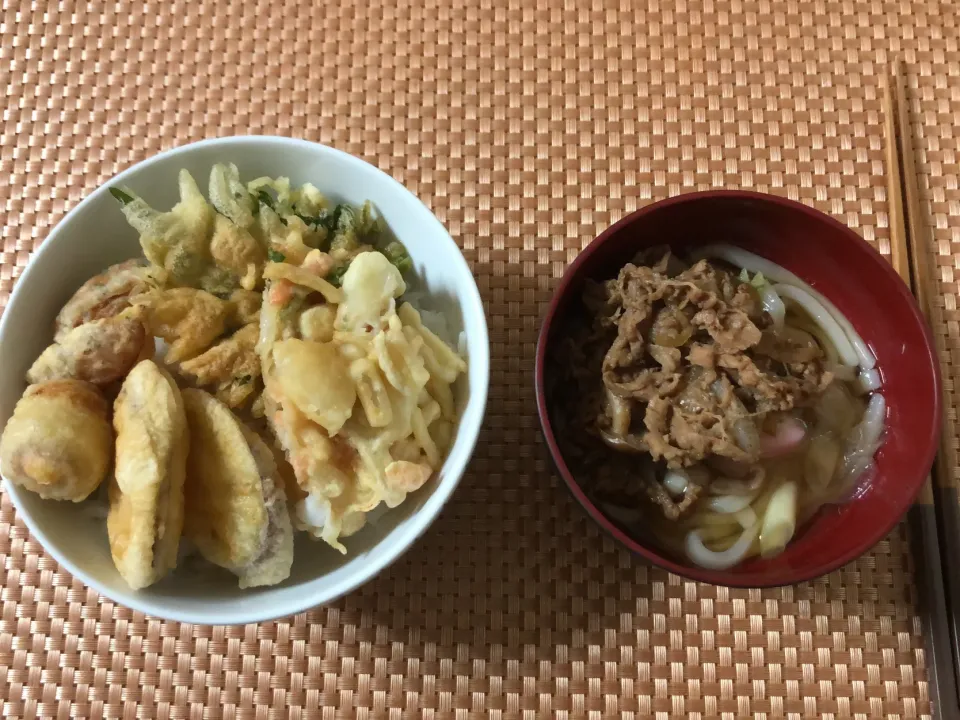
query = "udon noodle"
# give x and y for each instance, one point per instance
(715, 403)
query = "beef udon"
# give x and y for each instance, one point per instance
(716, 402)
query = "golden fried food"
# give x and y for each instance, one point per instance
(272, 565)
(370, 288)
(232, 366)
(236, 508)
(99, 352)
(188, 319)
(197, 246)
(317, 323)
(230, 196)
(244, 307)
(268, 299)
(179, 240)
(285, 472)
(326, 398)
(258, 407)
(225, 510)
(375, 424)
(58, 443)
(305, 277)
(105, 295)
(235, 250)
(146, 497)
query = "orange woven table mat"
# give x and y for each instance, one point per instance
(527, 127)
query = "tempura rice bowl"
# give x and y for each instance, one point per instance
(95, 235)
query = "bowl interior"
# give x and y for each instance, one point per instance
(95, 235)
(835, 261)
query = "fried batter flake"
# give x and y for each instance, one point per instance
(236, 250)
(190, 320)
(232, 366)
(179, 240)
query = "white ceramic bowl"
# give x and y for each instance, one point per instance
(95, 235)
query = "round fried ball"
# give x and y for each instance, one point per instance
(59, 442)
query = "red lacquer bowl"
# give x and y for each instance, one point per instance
(838, 263)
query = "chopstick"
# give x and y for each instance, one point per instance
(909, 238)
(909, 242)
(935, 518)
(899, 251)
(917, 234)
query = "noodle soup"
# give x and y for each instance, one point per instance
(715, 401)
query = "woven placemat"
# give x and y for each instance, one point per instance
(527, 127)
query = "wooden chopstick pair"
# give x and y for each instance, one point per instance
(935, 519)
(909, 237)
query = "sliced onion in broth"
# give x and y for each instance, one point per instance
(618, 408)
(837, 409)
(624, 443)
(773, 306)
(844, 373)
(820, 461)
(861, 445)
(747, 436)
(671, 328)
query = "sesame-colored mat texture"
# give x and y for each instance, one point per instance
(527, 127)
